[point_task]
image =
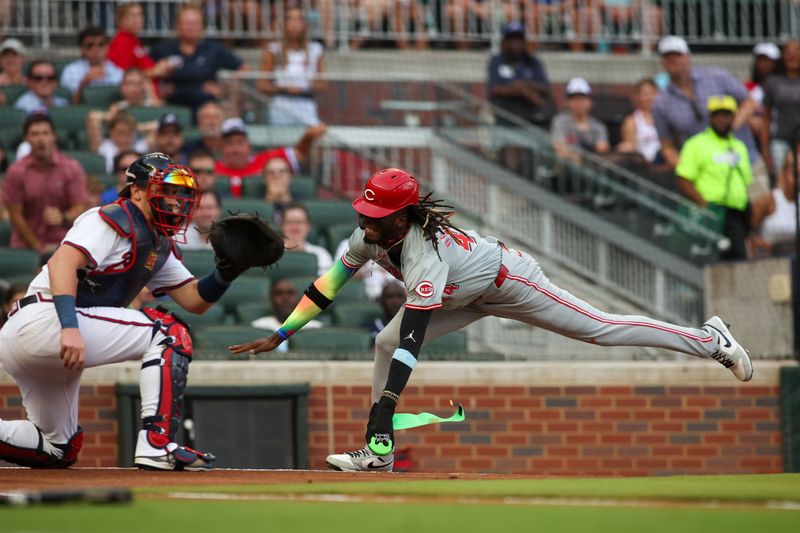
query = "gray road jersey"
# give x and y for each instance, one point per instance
(468, 265)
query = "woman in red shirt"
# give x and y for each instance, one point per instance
(126, 50)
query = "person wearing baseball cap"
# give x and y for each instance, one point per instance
(169, 137)
(680, 111)
(575, 127)
(517, 81)
(12, 61)
(237, 161)
(765, 61)
(714, 172)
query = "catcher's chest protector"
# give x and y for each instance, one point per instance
(118, 285)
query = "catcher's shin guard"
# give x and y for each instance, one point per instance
(38, 457)
(164, 372)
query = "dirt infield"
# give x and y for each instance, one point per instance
(24, 478)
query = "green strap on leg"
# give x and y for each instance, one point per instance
(410, 420)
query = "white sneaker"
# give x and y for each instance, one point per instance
(170, 457)
(363, 460)
(730, 353)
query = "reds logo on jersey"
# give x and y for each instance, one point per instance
(424, 289)
(151, 260)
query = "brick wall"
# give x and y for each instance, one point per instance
(97, 415)
(511, 427)
(571, 430)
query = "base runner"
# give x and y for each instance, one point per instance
(455, 277)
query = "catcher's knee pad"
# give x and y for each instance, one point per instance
(38, 458)
(174, 361)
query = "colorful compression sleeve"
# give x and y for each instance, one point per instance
(317, 297)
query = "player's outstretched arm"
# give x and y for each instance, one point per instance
(63, 267)
(317, 298)
(189, 298)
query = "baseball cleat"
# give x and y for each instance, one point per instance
(730, 353)
(171, 457)
(363, 460)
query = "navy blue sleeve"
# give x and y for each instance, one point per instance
(163, 49)
(225, 59)
(539, 73)
(493, 78)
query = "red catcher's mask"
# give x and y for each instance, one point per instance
(173, 196)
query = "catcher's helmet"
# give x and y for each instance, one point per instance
(171, 189)
(386, 192)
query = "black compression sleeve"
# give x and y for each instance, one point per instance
(413, 328)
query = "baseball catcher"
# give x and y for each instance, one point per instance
(75, 316)
(455, 277)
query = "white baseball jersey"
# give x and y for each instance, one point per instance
(108, 250)
(467, 267)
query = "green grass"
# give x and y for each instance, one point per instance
(757, 488)
(153, 512)
(290, 517)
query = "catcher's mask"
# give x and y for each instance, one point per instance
(173, 196)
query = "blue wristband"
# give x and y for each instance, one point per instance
(282, 334)
(212, 287)
(65, 308)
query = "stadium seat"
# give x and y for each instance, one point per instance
(220, 337)
(294, 264)
(69, 121)
(92, 163)
(331, 340)
(248, 205)
(5, 234)
(12, 118)
(100, 95)
(337, 233)
(325, 213)
(9, 136)
(355, 314)
(253, 187)
(147, 114)
(18, 264)
(248, 311)
(13, 92)
(353, 291)
(215, 316)
(452, 343)
(303, 188)
(199, 262)
(246, 290)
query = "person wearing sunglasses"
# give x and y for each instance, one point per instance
(41, 93)
(93, 68)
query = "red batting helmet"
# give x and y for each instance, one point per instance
(386, 192)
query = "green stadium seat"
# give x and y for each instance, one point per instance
(92, 163)
(13, 92)
(253, 187)
(355, 314)
(249, 311)
(70, 120)
(12, 118)
(337, 233)
(100, 95)
(18, 264)
(147, 114)
(452, 343)
(220, 337)
(246, 290)
(353, 291)
(5, 234)
(9, 137)
(199, 262)
(331, 340)
(60, 62)
(64, 93)
(294, 264)
(215, 316)
(325, 213)
(303, 188)
(248, 205)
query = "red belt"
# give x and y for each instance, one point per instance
(32, 299)
(501, 276)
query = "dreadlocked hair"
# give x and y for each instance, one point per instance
(433, 216)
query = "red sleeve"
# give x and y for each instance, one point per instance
(14, 187)
(120, 52)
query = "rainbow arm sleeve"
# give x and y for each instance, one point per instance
(317, 297)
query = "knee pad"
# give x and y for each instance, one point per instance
(38, 458)
(174, 361)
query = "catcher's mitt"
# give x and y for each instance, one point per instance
(242, 241)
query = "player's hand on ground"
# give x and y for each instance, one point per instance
(73, 349)
(264, 344)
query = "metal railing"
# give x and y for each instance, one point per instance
(460, 23)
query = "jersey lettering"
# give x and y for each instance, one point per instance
(464, 241)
